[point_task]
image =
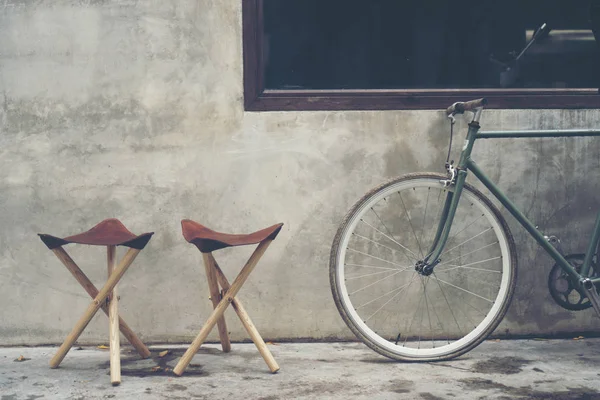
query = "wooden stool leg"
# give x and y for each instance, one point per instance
(89, 287)
(247, 322)
(223, 304)
(94, 307)
(113, 323)
(215, 297)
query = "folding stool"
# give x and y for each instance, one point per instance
(207, 241)
(109, 233)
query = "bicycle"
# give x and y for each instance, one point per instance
(424, 266)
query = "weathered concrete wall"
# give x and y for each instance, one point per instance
(133, 109)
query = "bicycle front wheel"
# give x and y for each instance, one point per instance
(391, 307)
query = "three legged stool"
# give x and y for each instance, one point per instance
(109, 233)
(208, 241)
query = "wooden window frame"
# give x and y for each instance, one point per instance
(257, 98)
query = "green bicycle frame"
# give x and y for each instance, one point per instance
(467, 164)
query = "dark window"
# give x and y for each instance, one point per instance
(368, 54)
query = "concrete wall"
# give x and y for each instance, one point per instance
(133, 109)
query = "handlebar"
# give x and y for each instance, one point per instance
(460, 107)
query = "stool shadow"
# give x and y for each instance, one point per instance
(161, 367)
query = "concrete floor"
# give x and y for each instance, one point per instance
(539, 369)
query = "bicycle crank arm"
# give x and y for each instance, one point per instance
(592, 294)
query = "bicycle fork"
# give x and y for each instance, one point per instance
(426, 266)
(456, 180)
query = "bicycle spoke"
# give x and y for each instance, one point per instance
(377, 258)
(376, 282)
(371, 266)
(411, 225)
(415, 257)
(413, 317)
(480, 282)
(463, 229)
(412, 278)
(470, 320)
(466, 241)
(421, 323)
(471, 252)
(383, 295)
(376, 243)
(475, 308)
(427, 308)
(468, 266)
(464, 290)
(448, 304)
(462, 266)
(385, 226)
(437, 219)
(464, 302)
(387, 302)
(440, 324)
(425, 214)
(367, 275)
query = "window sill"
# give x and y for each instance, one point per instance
(319, 100)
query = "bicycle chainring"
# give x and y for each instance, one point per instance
(562, 289)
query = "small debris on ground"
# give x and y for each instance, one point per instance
(163, 353)
(578, 338)
(103, 347)
(21, 359)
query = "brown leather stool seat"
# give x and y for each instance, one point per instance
(110, 232)
(208, 240)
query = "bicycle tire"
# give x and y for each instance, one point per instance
(345, 307)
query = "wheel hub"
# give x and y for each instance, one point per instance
(423, 268)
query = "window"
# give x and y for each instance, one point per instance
(401, 54)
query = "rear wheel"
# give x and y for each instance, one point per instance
(395, 310)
